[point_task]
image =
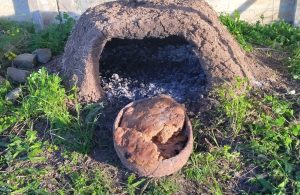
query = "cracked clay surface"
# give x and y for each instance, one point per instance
(151, 131)
(194, 20)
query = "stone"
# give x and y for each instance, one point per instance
(25, 61)
(43, 55)
(116, 77)
(153, 136)
(17, 75)
(14, 94)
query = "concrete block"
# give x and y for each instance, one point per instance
(297, 14)
(7, 8)
(43, 12)
(219, 6)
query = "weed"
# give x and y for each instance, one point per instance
(166, 186)
(28, 148)
(22, 181)
(237, 27)
(93, 182)
(55, 36)
(294, 63)
(211, 168)
(17, 179)
(275, 142)
(234, 101)
(133, 184)
(45, 98)
(279, 35)
(6, 116)
(270, 137)
(80, 178)
(14, 38)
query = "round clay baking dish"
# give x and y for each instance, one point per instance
(165, 166)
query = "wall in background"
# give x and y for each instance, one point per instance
(252, 10)
(43, 12)
(297, 13)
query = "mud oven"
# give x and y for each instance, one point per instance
(157, 41)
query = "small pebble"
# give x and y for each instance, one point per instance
(14, 94)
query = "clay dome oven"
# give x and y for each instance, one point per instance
(193, 20)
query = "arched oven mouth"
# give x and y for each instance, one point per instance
(132, 69)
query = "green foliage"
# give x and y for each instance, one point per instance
(275, 141)
(24, 155)
(17, 179)
(55, 36)
(133, 184)
(93, 182)
(212, 168)
(45, 98)
(25, 171)
(166, 186)
(28, 148)
(279, 35)
(276, 35)
(294, 63)
(237, 27)
(22, 181)
(234, 101)
(14, 38)
(6, 118)
(82, 180)
(270, 136)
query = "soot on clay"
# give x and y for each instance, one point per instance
(135, 69)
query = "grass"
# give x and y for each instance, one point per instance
(248, 142)
(275, 141)
(16, 38)
(270, 128)
(43, 141)
(269, 138)
(235, 104)
(167, 186)
(133, 184)
(43, 97)
(25, 149)
(55, 36)
(249, 130)
(278, 35)
(214, 167)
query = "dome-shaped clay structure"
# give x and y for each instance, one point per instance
(153, 137)
(194, 20)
